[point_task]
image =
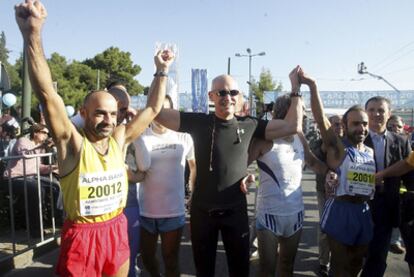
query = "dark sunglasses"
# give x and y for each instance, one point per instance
(223, 92)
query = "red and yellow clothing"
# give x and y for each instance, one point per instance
(96, 190)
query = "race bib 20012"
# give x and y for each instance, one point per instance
(101, 192)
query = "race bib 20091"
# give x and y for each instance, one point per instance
(360, 179)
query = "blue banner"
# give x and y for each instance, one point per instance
(199, 90)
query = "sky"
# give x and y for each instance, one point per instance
(327, 38)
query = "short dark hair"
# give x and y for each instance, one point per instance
(396, 118)
(10, 129)
(37, 127)
(115, 84)
(354, 108)
(379, 99)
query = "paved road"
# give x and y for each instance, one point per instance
(306, 260)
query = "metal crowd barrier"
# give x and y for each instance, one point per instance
(12, 243)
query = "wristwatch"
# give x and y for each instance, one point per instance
(296, 94)
(161, 74)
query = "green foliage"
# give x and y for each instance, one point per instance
(75, 79)
(4, 52)
(15, 75)
(265, 83)
(12, 71)
(116, 65)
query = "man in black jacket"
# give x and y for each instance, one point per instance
(388, 149)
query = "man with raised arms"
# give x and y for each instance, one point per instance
(346, 219)
(91, 162)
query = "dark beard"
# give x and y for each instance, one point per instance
(353, 137)
(100, 126)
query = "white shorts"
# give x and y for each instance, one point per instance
(280, 225)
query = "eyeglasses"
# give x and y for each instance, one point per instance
(395, 126)
(222, 93)
(43, 132)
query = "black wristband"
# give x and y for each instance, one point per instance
(296, 94)
(161, 74)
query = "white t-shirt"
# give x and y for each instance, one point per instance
(280, 169)
(161, 194)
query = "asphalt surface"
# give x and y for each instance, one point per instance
(306, 263)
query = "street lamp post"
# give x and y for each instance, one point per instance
(250, 55)
(362, 69)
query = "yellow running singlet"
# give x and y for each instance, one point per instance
(96, 190)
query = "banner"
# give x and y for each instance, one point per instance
(199, 90)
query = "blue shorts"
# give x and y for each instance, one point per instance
(162, 225)
(346, 222)
(281, 226)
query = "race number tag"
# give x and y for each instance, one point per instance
(101, 192)
(360, 179)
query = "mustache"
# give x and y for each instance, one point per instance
(104, 125)
(364, 133)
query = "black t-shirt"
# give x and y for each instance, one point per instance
(220, 187)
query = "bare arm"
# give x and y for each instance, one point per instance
(30, 17)
(257, 148)
(193, 173)
(310, 159)
(155, 101)
(169, 118)
(399, 168)
(135, 176)
(334, 146)
(292, 123)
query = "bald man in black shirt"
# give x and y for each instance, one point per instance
(221, 141)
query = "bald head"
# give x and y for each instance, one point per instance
(223, 81)
(337, 125)
(334, 118)
(225, 103)
(97, 96)
(120, 93)
(99, 112)
(122, 98)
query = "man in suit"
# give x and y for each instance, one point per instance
(388, 149)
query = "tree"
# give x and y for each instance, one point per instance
(15, 72)
(117, 66)
(265, 83)
(74, 80)
(4, 52)
(12, 71)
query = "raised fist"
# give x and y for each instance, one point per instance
(30, 17)
(163, 59)
(305, 78)
(294, 78)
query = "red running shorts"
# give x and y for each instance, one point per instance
(93, 249)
